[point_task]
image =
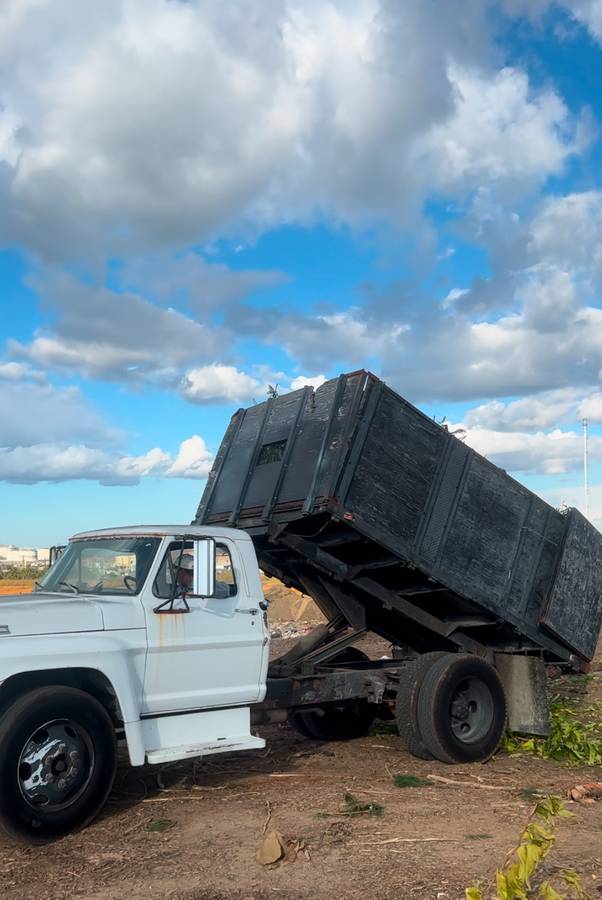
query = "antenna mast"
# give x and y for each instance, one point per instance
(585, 469)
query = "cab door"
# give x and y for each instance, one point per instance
(203, 651)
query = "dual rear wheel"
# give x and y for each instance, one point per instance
(451, 707)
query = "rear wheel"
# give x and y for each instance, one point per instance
(57, 762)
(406, 704)
(336, 723)
(461, 709)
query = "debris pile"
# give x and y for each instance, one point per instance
(586, 793)
(287, 630)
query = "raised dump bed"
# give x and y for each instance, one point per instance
(355, 497)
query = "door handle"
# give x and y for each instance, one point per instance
(250, 612)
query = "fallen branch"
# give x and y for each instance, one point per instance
(407, 840)
(472, 784)
(268, 817)
(288, 775)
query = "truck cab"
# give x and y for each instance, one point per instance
(156, 633)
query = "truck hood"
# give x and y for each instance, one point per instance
(40, 613)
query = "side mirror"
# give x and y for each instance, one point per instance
(204, 567)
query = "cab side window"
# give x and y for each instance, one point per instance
(225, 578)
(171, 570)
(168, 573)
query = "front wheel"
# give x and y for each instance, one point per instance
(57, 762)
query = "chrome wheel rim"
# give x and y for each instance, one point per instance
(55, 765)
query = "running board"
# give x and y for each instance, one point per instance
(186, 735)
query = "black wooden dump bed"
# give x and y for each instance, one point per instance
(355, 497)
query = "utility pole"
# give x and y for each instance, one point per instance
(585, 469)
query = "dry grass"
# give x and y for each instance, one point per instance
(16, 586)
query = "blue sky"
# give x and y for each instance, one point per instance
(196, 203)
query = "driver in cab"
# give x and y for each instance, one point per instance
(185, 578)
(184, 575)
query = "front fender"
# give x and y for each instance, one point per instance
(120, 656)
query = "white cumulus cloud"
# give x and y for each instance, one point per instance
(68, 462)
(307, 380)
(148, 124)
(220, 384)
(531, 453)
(194, 459)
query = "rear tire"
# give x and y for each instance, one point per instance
(461, 709)
(57, 763)
(406, 704)
(336, 723)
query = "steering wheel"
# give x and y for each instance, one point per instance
(128, 578)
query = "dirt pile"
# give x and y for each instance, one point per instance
(288, 605)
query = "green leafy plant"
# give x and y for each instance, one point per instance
(383, 728)
(355, 807)
(404, 781)
(570, 740)
(22, 573)
(513, 882)
(532, 794)
(160, 825)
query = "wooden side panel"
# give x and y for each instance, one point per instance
(344, 422)
(545, 571)
(393, 478)
(277, 430)
(237, 463)
(442, 502)
(481, 546)
(574, 609)
(298, 478)
(207, 500)
(529, 557)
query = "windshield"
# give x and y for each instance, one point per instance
(102, 566)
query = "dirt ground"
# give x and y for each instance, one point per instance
(191, 830)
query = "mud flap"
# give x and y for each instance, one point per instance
(525, 685)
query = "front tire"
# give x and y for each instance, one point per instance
(57, 762)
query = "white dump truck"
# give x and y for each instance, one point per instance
(111, 645)
(158, 636)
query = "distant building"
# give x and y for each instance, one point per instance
(23, 556)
